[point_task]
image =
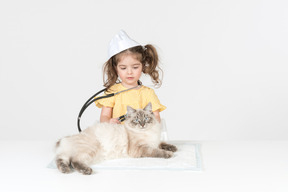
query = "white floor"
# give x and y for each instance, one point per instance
(228, 166)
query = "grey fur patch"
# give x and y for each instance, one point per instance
(82, 168)
(63, 166)
(167, 147)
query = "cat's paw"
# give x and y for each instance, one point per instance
(168, 147)
(63, 167)
(172, 148)
(168, 154)
(86, 171)
(81, 168)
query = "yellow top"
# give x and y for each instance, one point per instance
(136, 98)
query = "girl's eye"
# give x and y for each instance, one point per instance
(135, 67)
(122, 68)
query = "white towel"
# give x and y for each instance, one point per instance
(186, 158)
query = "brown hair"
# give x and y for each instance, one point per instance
(147, 55)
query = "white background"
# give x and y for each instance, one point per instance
(225, 78)
(224, 63)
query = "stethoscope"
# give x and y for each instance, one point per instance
(93, 99)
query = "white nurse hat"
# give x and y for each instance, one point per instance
(120, 42)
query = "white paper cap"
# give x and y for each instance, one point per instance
(120, 42)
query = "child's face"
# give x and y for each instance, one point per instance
(129, 69)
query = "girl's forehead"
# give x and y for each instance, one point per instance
(126, 58)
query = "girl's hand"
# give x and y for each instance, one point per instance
(114, 121)
(106, 115)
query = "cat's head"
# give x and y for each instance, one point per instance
(140, 118)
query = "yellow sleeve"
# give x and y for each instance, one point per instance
(155, 101)
(107, 102)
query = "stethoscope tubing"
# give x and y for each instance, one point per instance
(93, 99)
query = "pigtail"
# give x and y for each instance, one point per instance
(150, 62)
(109, 71)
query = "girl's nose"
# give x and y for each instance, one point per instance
(129, 71)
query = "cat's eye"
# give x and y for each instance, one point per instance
(146, 119)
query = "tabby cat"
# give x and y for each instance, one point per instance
(138, 137)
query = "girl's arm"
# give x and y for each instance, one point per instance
(106, 115)
(157, 115)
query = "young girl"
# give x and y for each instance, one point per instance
(127, 61)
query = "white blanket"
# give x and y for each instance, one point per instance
(186, 158)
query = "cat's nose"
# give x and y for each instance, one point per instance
(142, 124)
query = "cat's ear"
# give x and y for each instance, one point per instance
(148, 107)
(130, 110)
